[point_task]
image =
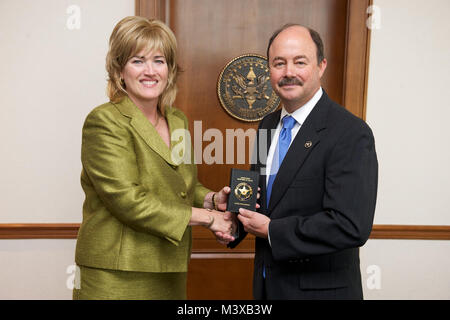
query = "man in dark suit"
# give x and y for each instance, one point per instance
(318, 182)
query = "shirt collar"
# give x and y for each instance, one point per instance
(302, 113)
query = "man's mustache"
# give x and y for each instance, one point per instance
(289, 81)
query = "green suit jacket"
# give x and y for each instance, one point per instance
(138, 194)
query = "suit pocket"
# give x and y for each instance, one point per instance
(324, 280)
(304, 196)
(306, 182)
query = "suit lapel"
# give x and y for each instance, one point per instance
(146, 131)
(304, 143)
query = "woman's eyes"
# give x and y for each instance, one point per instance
(159, 61)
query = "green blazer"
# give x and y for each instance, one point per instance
(138, 196)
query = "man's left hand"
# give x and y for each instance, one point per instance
(221, 198)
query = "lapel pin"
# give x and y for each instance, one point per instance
(308, 144)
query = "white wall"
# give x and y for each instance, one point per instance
(408, 110)
(405, 269)
(36, 269)
(52, 76)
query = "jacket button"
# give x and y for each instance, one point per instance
(183, 194)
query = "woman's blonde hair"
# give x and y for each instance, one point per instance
(130, 36)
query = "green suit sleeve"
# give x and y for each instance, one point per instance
(200, 194)
(110, 162)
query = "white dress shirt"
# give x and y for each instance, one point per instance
(300, 116)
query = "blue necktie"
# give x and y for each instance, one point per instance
(280, 152)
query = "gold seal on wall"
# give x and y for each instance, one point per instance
(244, 88)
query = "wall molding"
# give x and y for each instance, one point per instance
(39, 230)
(410, 232)
(356, 70)
(208, 243)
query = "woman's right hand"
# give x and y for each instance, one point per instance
(221, 225)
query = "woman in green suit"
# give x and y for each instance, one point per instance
(140, 181)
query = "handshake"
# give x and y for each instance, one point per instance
(223, 224)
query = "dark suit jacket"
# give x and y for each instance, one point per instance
(321, 209)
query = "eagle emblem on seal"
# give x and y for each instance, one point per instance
(249, 89)
(244, 88)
